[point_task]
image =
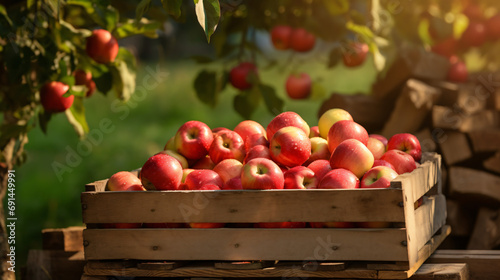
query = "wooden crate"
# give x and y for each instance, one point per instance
(396, 252)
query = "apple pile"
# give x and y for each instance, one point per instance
(338, 153)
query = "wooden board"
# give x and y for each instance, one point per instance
(468, 182)
(493, 163)
(412, 107)
(456, 119)
(486, 233)
(455, 147)
(65, 239)
(427, 142)
(483, 264)
(485, 140)
(54, 265)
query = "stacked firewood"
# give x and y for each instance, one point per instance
(459, 121)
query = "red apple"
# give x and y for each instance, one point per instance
(248, 127)
(300, 177)
(298, 86)
(85, 78)
(241, 75)
(101, 46)
(378, 177)
(233, 184)
(301, 40)
(170, 145)
(203, 163)
(51, 97)
(228, 169)
(161, 172)
(339, 178)
(332, 225)
(474, 35)
(407, 143)
(281, 225)
(258, 151)
(182, 160)
(262, 173)
(185, 172)
(319, 150)
(447, 47)
(379, 137)
(193, 139)
(379, 162)
(196, 179)
(329, 117)
(352, 155)
(135, 188)
(457, 72)
(255, 140)
(227, 144)
(207, 225)
(320, 167)
(209, 187)
(355, 54)
(376, 147)
(314, 132)
(164, 225)
(122, 180)
(473, 12)
(493, 27)
(219, 130)
(290, 146)
(280, 36)
(343, 130)
(401, 161)
(286, 119)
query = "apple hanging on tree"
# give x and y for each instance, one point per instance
(241, 75)
(51, 97)
(101, 46)
(280, 36)
(298, 86)
(355, 55)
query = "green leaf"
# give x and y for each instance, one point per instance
(3, 12)
(103, 82)
(336, 7)
(100, 12)
(123, 72)
(172, 7)
(131, 27)
(369, 38)
(208, 14)
(43, 120)
(80, 91)
(273, 103)
(142, 8)
(246, 102)
(205, 85)
(76, 116)
(69, 80)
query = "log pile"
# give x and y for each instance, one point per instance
(459, 121)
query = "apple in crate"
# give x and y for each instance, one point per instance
(258, 151)
(352, 155)
(379, 162)
(161, 172)
(339, 178)
(228, 169)
(379, 137)
(193, 139)
(248, 127)
(343, 130)
(300, 177)
(329, 118)
(281, 225)
(122, 180)
(290, 146)
(401, 161)
(286, 119)
(319, 150)
(407, 143)
(376, 147)
(203, 163)
(182, 160)
(197, 179)
(255, 140)
(261, 174)
(314, 132)
(320, 167)
(226, 145)
(378, 177)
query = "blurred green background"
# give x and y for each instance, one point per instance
(140, 129)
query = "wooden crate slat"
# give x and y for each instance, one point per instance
(243, 206)
(246, 244)
(429, 218)
(483, 264)
(450, 271)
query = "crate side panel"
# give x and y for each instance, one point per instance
(243, 206)
(246, 244)
(429, 218)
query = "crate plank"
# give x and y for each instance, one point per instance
(455, 147)
(485, 140)
(493, 163)
(483, 264)
(242, 206)
(246, 244)
(467, 182)
(66, 239)
(430, 217)
(451, 271)
(486, 233)
(411, 109)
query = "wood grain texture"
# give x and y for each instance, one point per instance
(451, 271)
(485, 140)
(455, 148)
(483, 264)
(456, 119)
(65, 239)
(470, 182)
(246, 244)
(493, 163)
(243, 206)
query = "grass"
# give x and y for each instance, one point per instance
(136, 131)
